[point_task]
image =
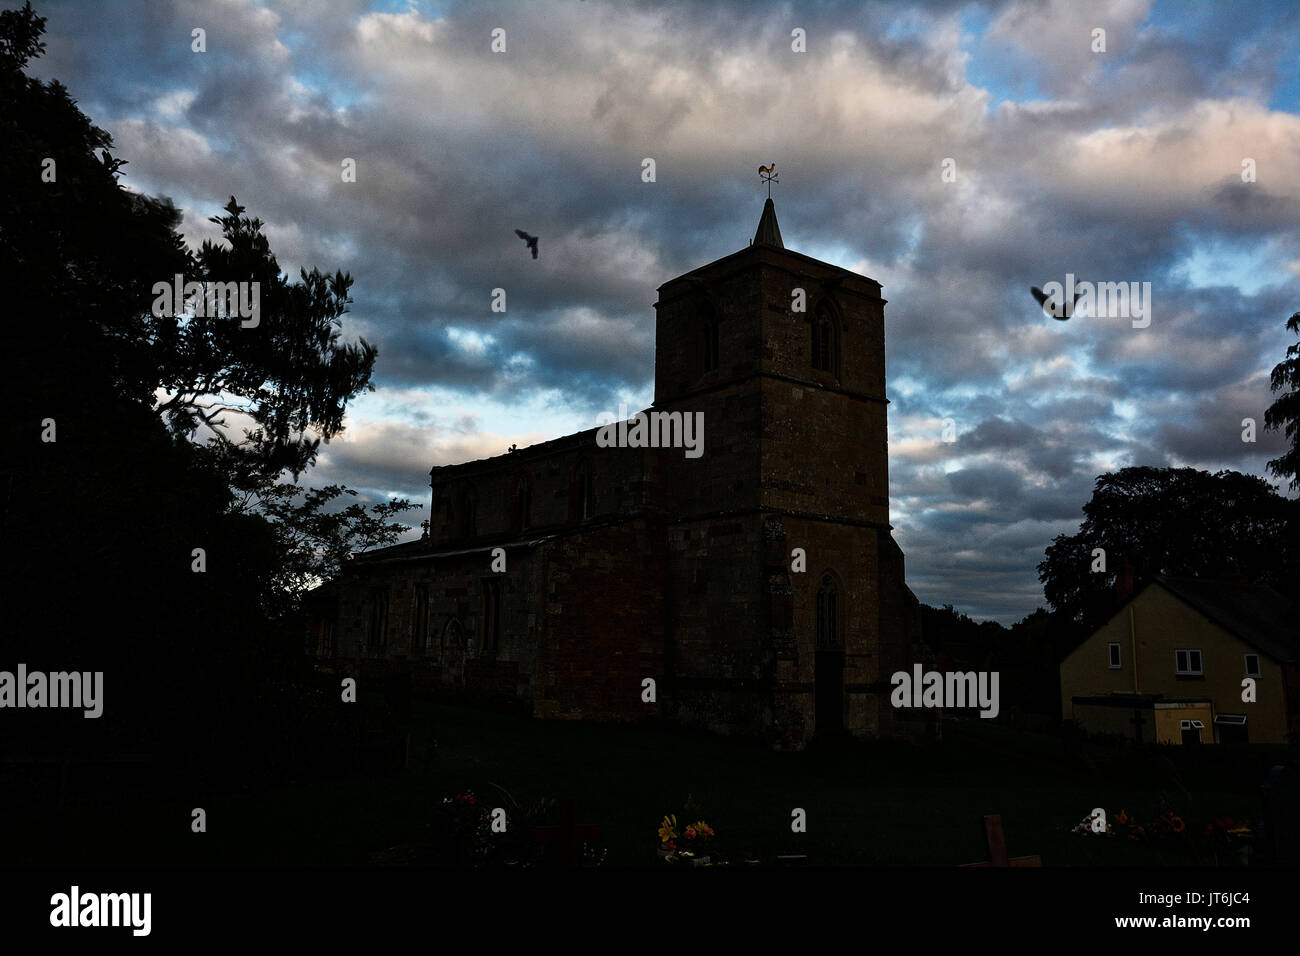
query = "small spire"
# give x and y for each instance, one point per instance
(769, 233)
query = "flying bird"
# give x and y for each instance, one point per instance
(1066, 312)
(531, 240)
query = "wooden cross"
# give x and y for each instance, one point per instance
(997, 844)
(1136, 721)
(568, 834)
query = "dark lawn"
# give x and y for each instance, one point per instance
(872, 804)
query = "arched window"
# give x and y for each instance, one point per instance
(451, 657)
(828, 620)
(453, 635)
(825, 340)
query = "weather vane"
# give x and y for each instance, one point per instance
(768, 175)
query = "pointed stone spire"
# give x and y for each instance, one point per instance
(769, 233)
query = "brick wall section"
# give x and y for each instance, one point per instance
(603, 627)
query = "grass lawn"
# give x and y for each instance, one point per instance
(867, 803)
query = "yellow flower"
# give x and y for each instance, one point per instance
(668, 829)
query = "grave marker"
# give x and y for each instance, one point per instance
(997, 844)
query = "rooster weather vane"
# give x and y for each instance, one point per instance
(768, 175)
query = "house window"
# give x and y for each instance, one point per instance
(1252, 665)
(491, 636)
(827, 618)
(1187, 663)
(1231, 728)
(420, 637)
(378, 635)
(327, 638)
(1191, 731)
(1112, 651)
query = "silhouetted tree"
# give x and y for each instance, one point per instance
(1285, 411)
(129, 548)
(1174, 521)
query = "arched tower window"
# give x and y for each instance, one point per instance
(825, 340)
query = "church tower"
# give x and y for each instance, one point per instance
(787, 607)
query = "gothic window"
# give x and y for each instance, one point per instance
(451, 658)
(453, 638)
(491, 633)
(825, 341)
(828, 629)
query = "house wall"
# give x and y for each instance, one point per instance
(1169, 718)
(1162, 624)
(1111, 720)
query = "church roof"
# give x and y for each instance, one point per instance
(769, 233)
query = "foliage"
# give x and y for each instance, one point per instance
(1284, 413)
(315, 542)
(1222, 838)
(103, 524)
(463, 834)
(1239, 525)
(686, 842)
(288, 375)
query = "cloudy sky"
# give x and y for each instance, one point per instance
(1122, 165)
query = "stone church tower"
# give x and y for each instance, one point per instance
(757, 584)
(785, 355)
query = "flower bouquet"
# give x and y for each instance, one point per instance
(690, 845)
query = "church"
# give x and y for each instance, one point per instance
(751, 587)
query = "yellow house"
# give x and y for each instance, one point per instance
(1190, 660)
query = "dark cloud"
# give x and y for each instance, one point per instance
(1116, 167)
